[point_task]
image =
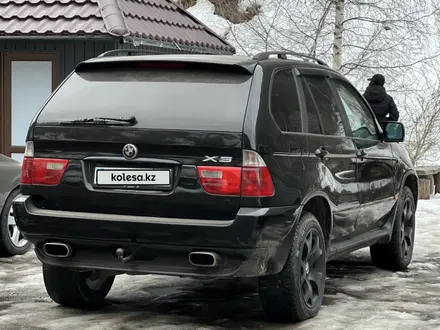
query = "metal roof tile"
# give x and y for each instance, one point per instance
(151, 3)
(152, 19)
(48, 26)
(173, 23)
(44, 10)
(49, 2)
(163, 14)
(166, 32)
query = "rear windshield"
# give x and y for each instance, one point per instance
(159, 98)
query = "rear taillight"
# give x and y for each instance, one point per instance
(256, 182)
(41, 171)
(219, 180)
(251, 180)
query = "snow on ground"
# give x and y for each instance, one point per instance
(358, 296)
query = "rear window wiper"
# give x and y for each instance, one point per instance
(115, 121)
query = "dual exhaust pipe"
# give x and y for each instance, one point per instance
(196, 258)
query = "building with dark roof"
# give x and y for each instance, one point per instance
(41, 42)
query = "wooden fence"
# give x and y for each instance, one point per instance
(429, 181)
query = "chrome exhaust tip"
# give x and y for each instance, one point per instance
(57, 250)
(204, 259)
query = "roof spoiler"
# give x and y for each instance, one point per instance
(110, 60)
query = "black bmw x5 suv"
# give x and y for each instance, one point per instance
(212, 166)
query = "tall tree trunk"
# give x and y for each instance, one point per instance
(337, 39)
(320, 27)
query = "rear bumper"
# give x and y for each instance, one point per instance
(255, 243)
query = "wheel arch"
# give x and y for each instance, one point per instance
(411, 180)
(318, 203)
(13, 189)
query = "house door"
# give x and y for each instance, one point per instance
(28, 80)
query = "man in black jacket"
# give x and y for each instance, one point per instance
(382, 104)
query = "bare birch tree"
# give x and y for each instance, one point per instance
(356, 36)
(338, 32)
(422, 119)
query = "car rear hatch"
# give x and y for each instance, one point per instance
(141, 138)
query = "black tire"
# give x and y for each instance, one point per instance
(283, 295)
(71, 288)
(7, 246)
(397, 254)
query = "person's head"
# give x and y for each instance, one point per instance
(377, 79)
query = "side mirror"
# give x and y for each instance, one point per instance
(362, 133)
(393, 132)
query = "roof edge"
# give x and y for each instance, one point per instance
(113, 18)
(141, 41)
(65, 36)
(195, 19)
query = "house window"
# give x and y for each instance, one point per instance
(28, 80)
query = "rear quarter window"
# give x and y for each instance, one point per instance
(159, 98)
(284, 102)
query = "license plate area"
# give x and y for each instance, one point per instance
(133, 178)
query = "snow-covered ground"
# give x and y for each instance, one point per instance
(358, 296)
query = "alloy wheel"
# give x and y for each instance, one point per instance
(15, 235)
(407, 228)
(312, 268)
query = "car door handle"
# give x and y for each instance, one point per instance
(321, 152)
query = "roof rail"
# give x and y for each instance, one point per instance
(282, 54)
(129, 52)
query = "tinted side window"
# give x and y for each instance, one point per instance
(360, 118)
(284, 102)
(312, 113)
(327, 106)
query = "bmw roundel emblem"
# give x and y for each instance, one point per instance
(129, 151)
